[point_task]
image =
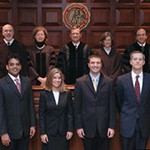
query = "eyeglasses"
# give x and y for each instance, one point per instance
(8, 30)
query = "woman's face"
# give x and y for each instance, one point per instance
(40, 36)
(56, 81)
(107, 42)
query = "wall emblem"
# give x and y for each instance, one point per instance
(76, 14)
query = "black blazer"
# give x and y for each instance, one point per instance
(16, 110)
(94, 110)
(130, 109)
(54, 118)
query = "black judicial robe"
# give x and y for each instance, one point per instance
(15, 47)
(73, 62)
(136, 47)
(41, 61)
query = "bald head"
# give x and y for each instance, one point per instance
(8, 32)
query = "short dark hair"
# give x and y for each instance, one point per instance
(94, 56)
(104, 36)
(15, 56)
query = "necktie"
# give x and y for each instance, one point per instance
(137, 88)
(95, 84)
(18, 84)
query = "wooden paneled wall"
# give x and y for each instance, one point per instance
(120, 17)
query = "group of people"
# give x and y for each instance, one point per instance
(100, 91)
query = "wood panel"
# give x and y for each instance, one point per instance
(121, 17)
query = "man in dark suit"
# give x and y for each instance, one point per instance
(139, 45)
(8, 46)
(17, 118)
(133, 99)
(95, 115)
(73, 57)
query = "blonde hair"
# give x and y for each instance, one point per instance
(49, 79)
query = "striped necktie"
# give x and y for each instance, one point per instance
(18, 84)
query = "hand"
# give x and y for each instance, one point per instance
(80, 133)
(69, 135)
(110, 133)
(5, 139)
(42, 80)
(44, 138)
(32, 132)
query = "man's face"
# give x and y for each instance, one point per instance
(141, 36)
(95, 65)
(8, 32)
(137, 61)
(75, 35)
(13, 67)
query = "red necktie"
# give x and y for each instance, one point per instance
(137, 88)
(18, 84)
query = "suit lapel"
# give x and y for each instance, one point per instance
(100, 83)
(144, 88)
(23, 85)
(89, 83)
(12, 85)
(131, 87)
(53, 98)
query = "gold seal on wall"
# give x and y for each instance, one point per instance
(76, 14)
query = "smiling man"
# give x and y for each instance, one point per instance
(73, 57)
(95, 115)
(139, 45)
(17, 118)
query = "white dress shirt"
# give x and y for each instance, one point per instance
(140, 79)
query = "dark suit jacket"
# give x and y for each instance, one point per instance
(15, 47)
(94, 110)
(129, 107)
(54, 118)
(73, 62)
(136, 47)
(16, 110)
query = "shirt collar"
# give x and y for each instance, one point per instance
(134, 75)
(93, 78)
(107, 50)
(141, 44)
(77, 44)
(11, 41)
(13, 78)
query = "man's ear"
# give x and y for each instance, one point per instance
(7, 67)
